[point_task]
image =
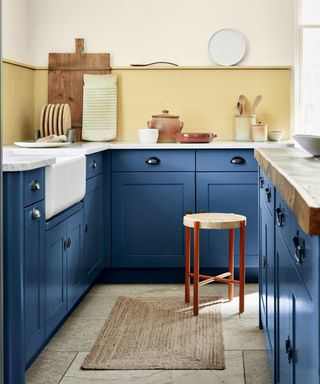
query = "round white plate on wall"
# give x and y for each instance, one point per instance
(227, 47)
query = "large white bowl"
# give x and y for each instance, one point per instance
(311, 143)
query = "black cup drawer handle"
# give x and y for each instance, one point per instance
(237, 160)
(153, 160)
(300, 250)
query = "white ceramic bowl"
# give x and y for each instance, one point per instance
(148, 135)
(275, 135)
(311, 143)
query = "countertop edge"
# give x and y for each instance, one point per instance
(306, 212)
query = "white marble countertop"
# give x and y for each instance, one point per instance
(296, 175)
(31, 158)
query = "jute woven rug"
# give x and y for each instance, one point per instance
(159, 333)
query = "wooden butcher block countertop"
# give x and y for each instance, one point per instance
(296, 176)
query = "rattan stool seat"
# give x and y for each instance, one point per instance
(214, 220)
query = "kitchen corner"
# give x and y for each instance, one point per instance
(147, 151)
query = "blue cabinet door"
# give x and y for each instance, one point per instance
(298, 327)
(74, 229)
(147, 215)
(284, 300)
(55, 276)
(268, 283)
(34, 326)
(93, 204)
(229, 192)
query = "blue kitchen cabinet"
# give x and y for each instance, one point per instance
(267, 276)
(289, 290)
(23, 253)
(226, 181)
(74, 252)
(34, 299)
(63, 272)
(147, 212)
(298, 328)
(55, 276)
(229, 192)
(94, 235)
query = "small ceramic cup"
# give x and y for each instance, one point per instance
(148, 135)
(259, 132)
(275, 135)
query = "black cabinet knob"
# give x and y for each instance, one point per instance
(237, 160)
(299, 249)
(280, 216)
(94, 164)
(261, 180)
(86, 228)
(69, 242)
(35, 185)
(268, 194)
(153, 160)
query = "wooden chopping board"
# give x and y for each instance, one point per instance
(65, 79)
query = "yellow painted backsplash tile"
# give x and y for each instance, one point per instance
(203, 98)
(18, 103)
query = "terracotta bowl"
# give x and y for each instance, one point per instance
(195, 137)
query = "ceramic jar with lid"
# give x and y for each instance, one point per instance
(167, 124)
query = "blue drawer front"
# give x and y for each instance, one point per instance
(33, 182)
(153, 160)
(94, 164)
(221, 160)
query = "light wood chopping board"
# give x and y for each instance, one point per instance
(65, 80)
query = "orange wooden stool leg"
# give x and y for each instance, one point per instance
(196, 233)
(242, 266)
(231, 263)
(187, 266)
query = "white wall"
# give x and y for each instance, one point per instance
(16, 30)
(137, 31)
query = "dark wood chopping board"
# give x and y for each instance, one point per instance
(65, 78)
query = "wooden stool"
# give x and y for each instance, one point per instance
(199, 221)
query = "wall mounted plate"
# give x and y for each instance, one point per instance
(227, 47)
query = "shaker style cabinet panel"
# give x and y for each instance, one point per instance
(147, 213)
(267, 280)
(229, 192)
(34, 299)
(74, 253)
(63, 272)
(93, 230)
(55, 276)
(298, 328)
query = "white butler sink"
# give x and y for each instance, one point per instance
(65, 183)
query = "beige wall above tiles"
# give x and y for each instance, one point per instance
(203, 97)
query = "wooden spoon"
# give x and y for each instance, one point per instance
(242, 101)
(255, 104)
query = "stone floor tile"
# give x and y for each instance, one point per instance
(233, 374)
(256, 367)
(76, 335)
(241, 334)
(49, 367)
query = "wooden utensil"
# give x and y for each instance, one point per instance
(55, 119)
(60, 116)
(42, 116)
(66, 119)
(242, 101)
(50, 118)
(65, 78)
(46, 121)
(255, 104)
